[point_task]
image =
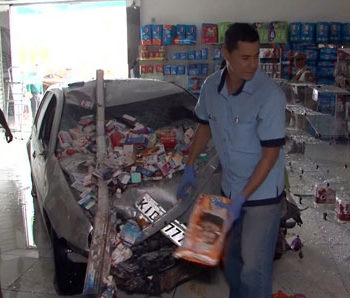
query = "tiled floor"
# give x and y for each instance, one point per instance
(324, 272)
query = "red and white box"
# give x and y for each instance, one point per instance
(325, 195)
(342, 208)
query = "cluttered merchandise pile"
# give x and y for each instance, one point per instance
(136, 155)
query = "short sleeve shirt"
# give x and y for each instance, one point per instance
(241, 125)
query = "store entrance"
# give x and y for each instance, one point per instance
(54, 43)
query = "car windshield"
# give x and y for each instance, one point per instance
(155, 108)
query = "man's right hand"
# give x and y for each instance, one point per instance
(188, 180)
(8, 136)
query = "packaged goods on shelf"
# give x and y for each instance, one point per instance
(152, 53)
(263, 31)
(322, 32)
(278, 32)
(335, 31)
(308, 32)
(169, 33)
(222, 27)
(185, 34)
(191, 34)
(157, 34)
(345, 33)
(195, 84)
(295, 32)
(209, 33)
(146, 35)
(328, 54)
(217, 53)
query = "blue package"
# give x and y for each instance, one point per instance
(191, 55)
(191, 34)
(169, 33)
(330, 51)
(174, 56)
(205, 53)
(183, 56)
(194, 84)
(198, 55)
(295, 32)
(326, 81)
(194, 70)
(335, 32)
(311, 54)
(217, 53)
(325, 71)
(173, 70)
(322, 32)
(181, 32)
(345, 33)
(181, 69)
(308, 31)
(167, 70)
(311, 63)
(326, 63)
(157, 34)
(146, 35)
(204, 69)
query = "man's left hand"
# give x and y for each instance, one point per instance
(234, 207)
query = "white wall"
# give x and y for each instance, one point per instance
(199, 11)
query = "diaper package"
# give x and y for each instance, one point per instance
(146, 35)
(157, 34)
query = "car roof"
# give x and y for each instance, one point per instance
(119, 92)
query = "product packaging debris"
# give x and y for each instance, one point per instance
(135, 154)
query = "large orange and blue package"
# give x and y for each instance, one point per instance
(205, 236)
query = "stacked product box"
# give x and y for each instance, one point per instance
(164, 34)
(322, 32)
(209, 33)
(222, 27)
(345, 33)
(263, 31)
(201, 54)
(273, 32)
(295, 32)
(335, 32)
(278, 32)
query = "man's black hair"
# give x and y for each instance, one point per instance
(239, 32)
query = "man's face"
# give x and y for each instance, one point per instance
(299, 62)
(243, 61)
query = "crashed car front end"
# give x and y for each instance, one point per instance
(148, 129)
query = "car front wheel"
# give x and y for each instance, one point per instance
(69, 276)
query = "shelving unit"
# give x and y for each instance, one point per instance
(185, 65)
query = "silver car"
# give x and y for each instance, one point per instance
(58, 171)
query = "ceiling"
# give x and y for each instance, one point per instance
(23, 2)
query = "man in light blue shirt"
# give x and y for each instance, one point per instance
(243, 110)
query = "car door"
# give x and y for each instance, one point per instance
(40, 142)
